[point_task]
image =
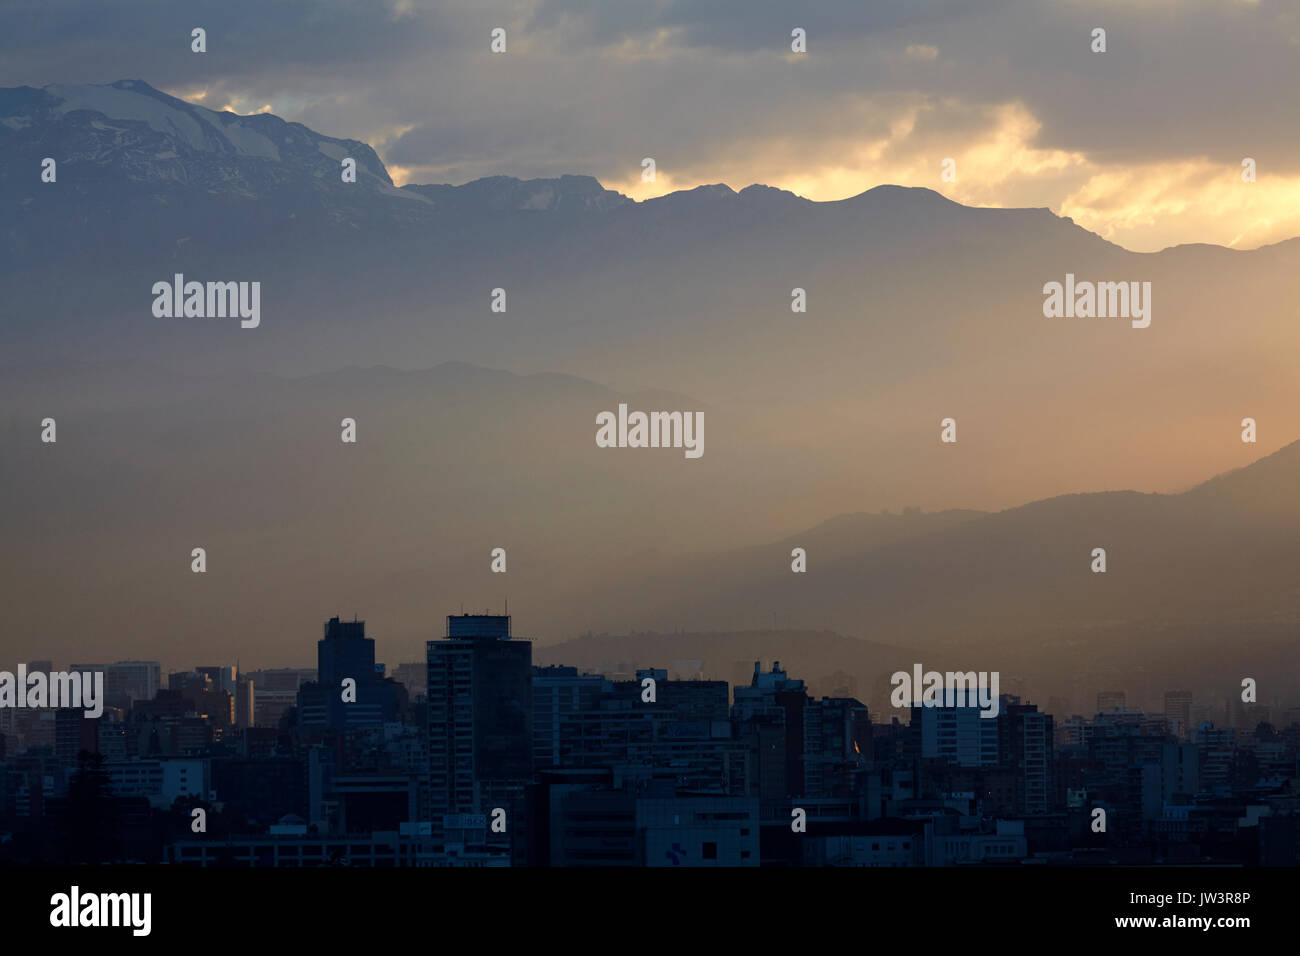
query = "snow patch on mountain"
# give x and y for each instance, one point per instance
(122, 104)
(245, 140)
(544, 198)
(125, 103)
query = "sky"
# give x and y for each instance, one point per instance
(1142, 143)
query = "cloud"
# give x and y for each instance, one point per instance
(750, 25)
(1008, 88)
(1160, 205)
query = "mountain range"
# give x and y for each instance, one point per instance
(476, 427)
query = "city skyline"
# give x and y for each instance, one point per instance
(553, 437)
(634, 750)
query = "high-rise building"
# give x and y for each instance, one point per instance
(1111, 700)
(1180, 771)
(77, 668)
(480, 713)
(567, 717)
(245, 703)
(959, 734)
(770, 711)
(223, 677)
(204, 695)
(277, 692)
(73, 733)
(125, 682)
(1178, 707)
(679, 735)
(239, 687)
(1215, 753)
(836, 743)
(345, 653)
(1026, 744)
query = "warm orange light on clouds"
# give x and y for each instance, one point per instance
(1153, 206)
(1144, 208)
(662, 185)
(400, 175)
(238, 105)
(999, 166)
(842, 118)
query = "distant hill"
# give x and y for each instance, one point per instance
(1200, 588)
(1225, 552)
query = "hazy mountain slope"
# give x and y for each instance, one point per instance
(1188, 576)
(918, 308)
(1222, 555)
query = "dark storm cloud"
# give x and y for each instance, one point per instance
(753, 25)
(1193, 78)
(249, 41)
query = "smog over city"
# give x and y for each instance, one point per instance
(357, 511)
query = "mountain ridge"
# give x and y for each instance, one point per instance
(264, 136)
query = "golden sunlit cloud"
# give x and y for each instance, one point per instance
(400, 175)
(237, 105)
(993, 151)
(1144, 208)
(992, 166)
(662, 185)
(239, 109)
(191, 94)
(1153, 206)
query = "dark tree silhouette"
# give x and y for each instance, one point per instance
(88, 831)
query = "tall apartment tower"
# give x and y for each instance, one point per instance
(1025, 742)
(480, 706)
(1178, 707)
